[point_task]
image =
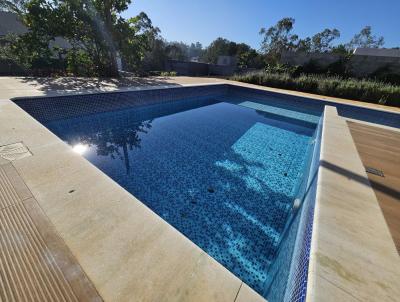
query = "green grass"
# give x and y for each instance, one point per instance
(355, 89)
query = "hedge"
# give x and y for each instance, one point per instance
(335, 86)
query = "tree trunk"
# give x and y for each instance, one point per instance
(113, 63)
(113, 68)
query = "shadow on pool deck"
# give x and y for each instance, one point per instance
(62, 85)
(365, 181)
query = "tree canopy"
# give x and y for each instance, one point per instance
(246, 56)
(89, 37)
(94, 29)
(280, 37)
(366, 39)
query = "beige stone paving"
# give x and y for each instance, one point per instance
(11, 87)
(246, 294)
(353, 256)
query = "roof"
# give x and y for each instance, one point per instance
(377, 52)
(11, 24)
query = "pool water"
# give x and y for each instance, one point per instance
(225, 174)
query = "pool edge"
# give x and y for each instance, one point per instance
(350, 260)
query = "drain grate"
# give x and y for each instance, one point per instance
(374, 171)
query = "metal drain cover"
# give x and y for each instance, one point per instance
(14, 151)
(374, 171)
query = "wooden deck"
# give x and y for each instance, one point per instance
(380, 149)
(35, 263)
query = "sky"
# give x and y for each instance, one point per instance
(240, 20)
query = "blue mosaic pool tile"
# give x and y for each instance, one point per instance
(314, 106)
(279, 100)
(52, 108)
(46, 109)
(288, 275)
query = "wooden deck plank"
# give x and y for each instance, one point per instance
(380, 149)
(35, 263)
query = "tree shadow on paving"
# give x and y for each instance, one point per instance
(66, 85)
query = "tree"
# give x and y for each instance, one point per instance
(278, 38)
(245, 55)
(136, 36)
(94, 29)
(250, 59)
(14, 6)
(322, 42)
(219, 47)
(106, 13)
(177, 51)
(195, 50)
(304, 45)
(366, 39)
(96, 24)
(154, 59)
(340, 49)
(32, 49)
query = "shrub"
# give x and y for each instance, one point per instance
(168, 74)
(79, 63)
(350, 88)
(387, 75)
(162, 73)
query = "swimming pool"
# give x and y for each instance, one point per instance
(234, 169)
(224, 175)
(227, 170)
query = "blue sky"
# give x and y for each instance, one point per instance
(241, 20)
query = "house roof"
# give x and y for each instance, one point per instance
(377, 52)
(11, 24)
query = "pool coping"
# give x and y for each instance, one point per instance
(353, 256)
(211, 280)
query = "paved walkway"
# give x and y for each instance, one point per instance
(11, 87)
